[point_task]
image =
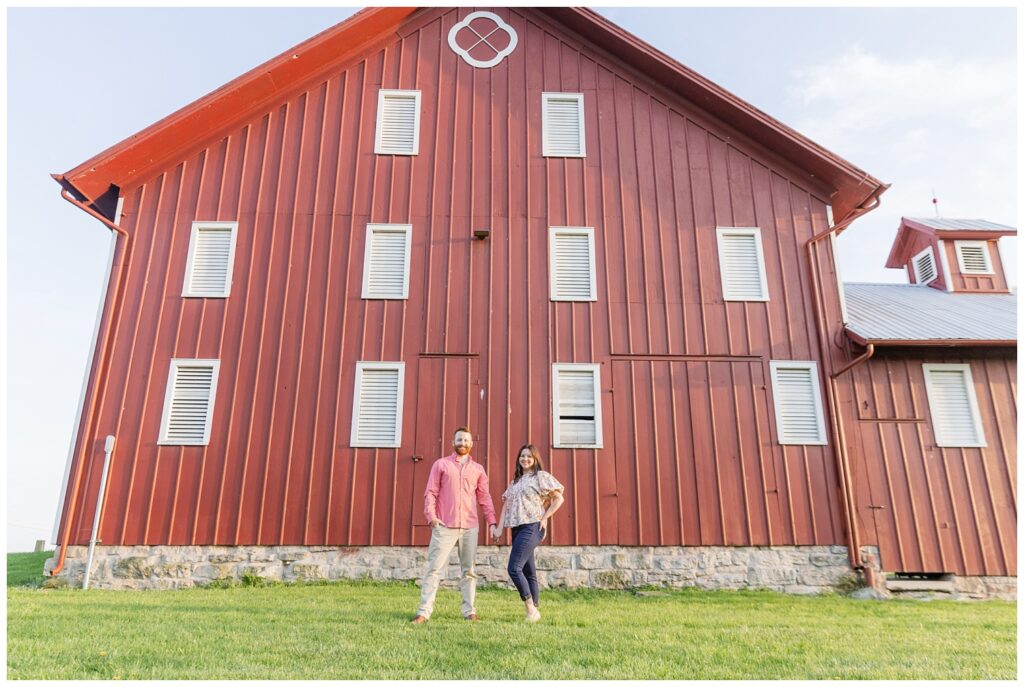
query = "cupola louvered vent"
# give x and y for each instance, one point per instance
(954, 408)
(188, 405)
(572, 264)
(386, 262)
(562, 114)
(398, 123)
(973, 257)
(211, 256)
(377, 407)
(741, 260)
(798, 414)
(924, 266)
(577, 405)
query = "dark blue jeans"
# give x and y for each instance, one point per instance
(521, 567)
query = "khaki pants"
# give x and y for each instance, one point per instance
(442, 541)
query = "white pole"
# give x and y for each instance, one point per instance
(108, 448)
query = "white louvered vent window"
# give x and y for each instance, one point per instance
(576, 405)
(386, 261)
(188, 403)
(571, 255)
(973, 257)
(211, 255)
(954, 407)
(398, 123)
(377, 405)
(798, 412)
(562, 115)
(924, 266)
(741, 261)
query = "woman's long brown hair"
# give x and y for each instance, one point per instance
(536, 461)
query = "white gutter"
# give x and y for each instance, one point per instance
(62, 495)
(108, 448)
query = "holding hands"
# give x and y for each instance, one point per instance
(496, 531)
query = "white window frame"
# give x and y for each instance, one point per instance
(774, 366)
(940, 438)
(917, 272)
(721, 233)
(169, 394)
(390, 228)
(186, 290)
(958, 245)
(556, 368)
(545, 99)
(552, 269)
(378, 143)
(366, 365)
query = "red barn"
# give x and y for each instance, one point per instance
(523, 220)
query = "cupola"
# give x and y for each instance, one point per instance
(956, 255)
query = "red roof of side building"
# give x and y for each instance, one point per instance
(99, 179)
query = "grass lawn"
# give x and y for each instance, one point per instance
(362, 630)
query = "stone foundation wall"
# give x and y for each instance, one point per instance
(788, 569)
(794, 570)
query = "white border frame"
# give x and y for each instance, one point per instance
(552, 270)
(393, 229)
(367, 365)
(917, 272)
(774, 366)
(544, 99)
(947, 275)
(957, 245)
(742, 231)
(979, 428)
(513, 40)
(381, 95)
(556, 440)
(198, 226)
(169, 393)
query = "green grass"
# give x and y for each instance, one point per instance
(26, 569)
(362, 630)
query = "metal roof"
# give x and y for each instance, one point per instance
(950, 224)
(911, 313)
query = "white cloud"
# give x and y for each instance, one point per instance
(924, 124)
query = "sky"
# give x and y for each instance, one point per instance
(922, 98)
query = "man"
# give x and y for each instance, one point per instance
(456, 485)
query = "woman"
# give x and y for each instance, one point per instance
(529, 503)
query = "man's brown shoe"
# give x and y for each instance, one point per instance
(419, 620)
(472, 616)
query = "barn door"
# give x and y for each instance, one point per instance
(447, 397)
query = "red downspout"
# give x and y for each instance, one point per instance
(870, 202)
(120, 253)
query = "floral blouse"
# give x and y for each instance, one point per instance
(524, 500)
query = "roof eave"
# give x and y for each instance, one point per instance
(136, 156)
(852, 186)
(928, 343)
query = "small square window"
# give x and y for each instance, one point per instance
(211, 257)
(398, 123)
(188, 403)
(973, 257)
(562, 115)
(571, 258)
(741, 261)
(576, 405)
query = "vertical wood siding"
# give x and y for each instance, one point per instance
(977, 282)
(928, 508)
(691, 454)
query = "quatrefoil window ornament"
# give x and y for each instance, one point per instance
(483, 39)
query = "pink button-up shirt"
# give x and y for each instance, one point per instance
(453, 492)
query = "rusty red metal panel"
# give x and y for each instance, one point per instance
(690, 455)
(933, 509)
